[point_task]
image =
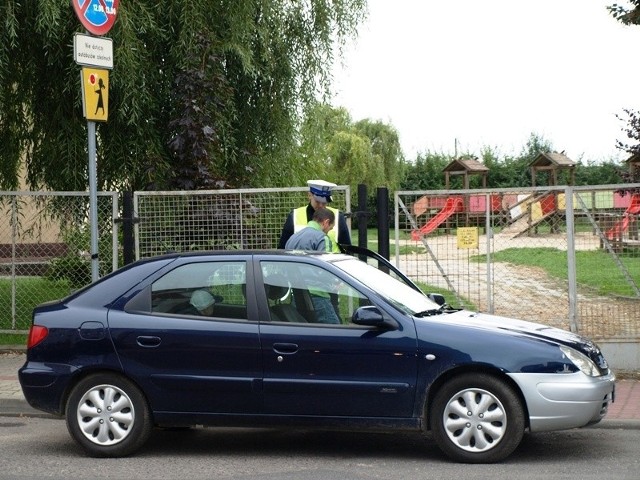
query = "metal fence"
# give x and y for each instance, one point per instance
(218, 219)
(488, 250)
(44, 249)
(491, 250)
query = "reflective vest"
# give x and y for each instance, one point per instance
(300, 221)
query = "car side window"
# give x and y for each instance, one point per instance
(206, 289)
(304, 293)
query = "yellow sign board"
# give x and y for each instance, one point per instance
(467, 237)
(95, 93)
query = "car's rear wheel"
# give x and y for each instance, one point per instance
(477, 418)
(108, 416)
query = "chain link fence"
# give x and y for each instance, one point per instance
(565, 257)
(218, 219)
(44, 249)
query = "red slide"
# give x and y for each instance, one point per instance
(621, 226)
(452, 205)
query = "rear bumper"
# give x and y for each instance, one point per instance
(557, 401)
(44, 385)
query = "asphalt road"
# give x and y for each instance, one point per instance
(42, 448)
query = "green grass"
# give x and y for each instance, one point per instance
(595, 270)
(408, 249)
(13, 339)
(29, 293)
(372, 238)
(448, 295)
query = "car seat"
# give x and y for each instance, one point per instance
(277, 288)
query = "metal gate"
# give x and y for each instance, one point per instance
(492, 251)
(218, 219)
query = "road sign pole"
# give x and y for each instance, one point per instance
(97, 16)
(93, 200)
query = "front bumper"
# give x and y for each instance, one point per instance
(558, 401)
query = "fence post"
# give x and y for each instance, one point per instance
(383, 221)
(571, 260)
(489, 239)
(128, 245)
(14, 236)
(362, 215)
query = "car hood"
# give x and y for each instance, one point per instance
(512, 326)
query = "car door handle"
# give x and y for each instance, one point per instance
(285, 348)
(148, 341)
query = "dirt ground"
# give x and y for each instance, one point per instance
(524, 292)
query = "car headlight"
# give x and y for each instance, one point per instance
(580, 360)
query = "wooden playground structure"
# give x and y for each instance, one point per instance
(519, 215)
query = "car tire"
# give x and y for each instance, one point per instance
(477, 418)
(108, 416)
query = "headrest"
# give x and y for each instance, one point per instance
(202, 299)
(276, 286)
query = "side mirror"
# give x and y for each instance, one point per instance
(437, 298)
(371, 316)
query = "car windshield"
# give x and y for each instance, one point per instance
(396, 292)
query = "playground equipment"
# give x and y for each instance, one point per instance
(520, 212)
(451, 206)
(524, 211)
(628, 217)
(529, 211)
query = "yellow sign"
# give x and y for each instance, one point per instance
(467, 237)
(95, 93)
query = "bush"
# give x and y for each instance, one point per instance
(75, 270)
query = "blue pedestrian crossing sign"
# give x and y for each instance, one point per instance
(95, 94)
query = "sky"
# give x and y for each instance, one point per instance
(455, 76)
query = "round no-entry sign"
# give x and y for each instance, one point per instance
(97, 16)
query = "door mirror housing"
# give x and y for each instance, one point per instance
(371, 316)
(437, 298)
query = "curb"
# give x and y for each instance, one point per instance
(617, 424)
(20, 408)
(13, 349)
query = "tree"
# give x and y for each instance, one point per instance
(194, 145)
(321, 123)
(426, 173)
(626, 15)
(335, 148)
(632, 130)
(629, 15)
(385, 147)
(270, 58)
(598, 173)
(352, 161)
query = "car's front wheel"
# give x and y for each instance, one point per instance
(108, 416)
(477, 418)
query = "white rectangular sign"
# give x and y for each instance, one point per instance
(93, 51)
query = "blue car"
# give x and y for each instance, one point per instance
(299, 339)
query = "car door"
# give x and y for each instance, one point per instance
(329, 369)
(185, 361)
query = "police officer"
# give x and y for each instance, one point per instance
(319, 196)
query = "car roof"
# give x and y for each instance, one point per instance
(253, 252)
